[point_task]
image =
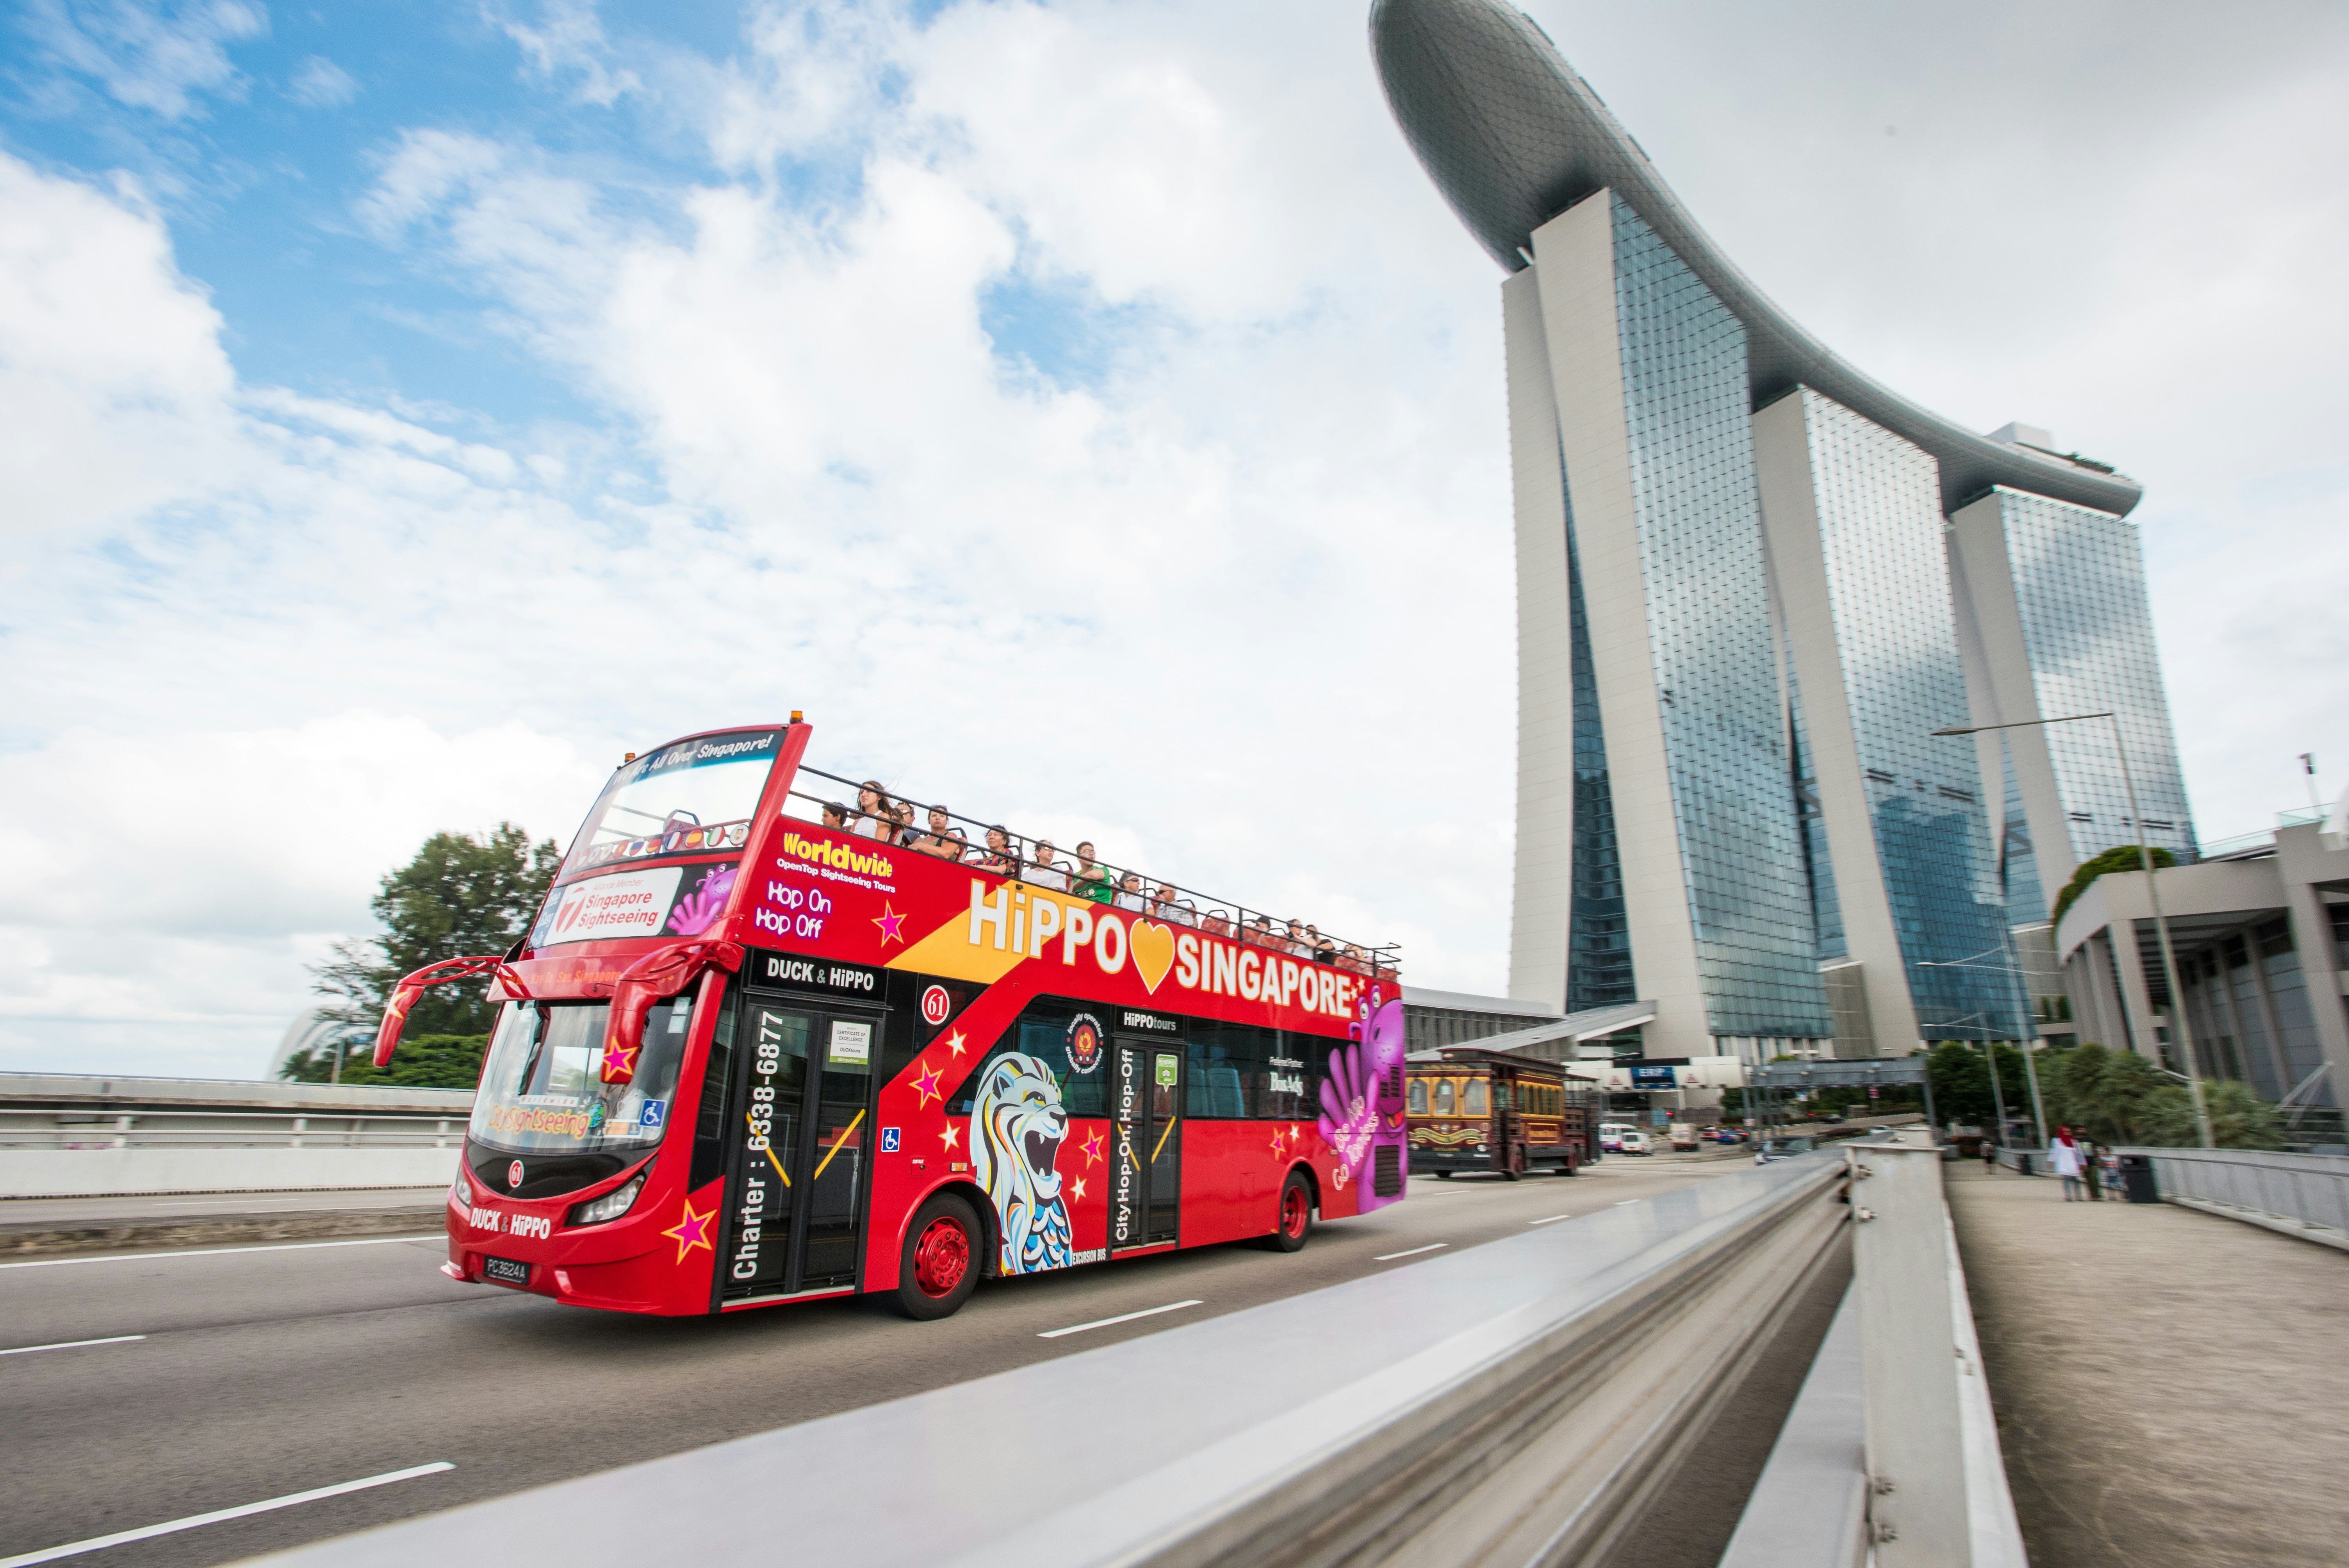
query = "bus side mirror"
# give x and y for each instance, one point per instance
(395, 1018)
(410, 986)
(664, 972)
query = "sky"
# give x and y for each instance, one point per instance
(1088, 413)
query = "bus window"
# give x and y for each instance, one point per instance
(541, 1092)
(1418, 1097)
(1476, 1103)
(1444, 1103)
(1069, 1039)
(1215, 1089)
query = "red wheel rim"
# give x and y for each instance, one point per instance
(941, 1258)
(1293, 1209)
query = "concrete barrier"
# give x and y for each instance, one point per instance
(113, 1173)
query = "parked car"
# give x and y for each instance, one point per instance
(1726, 1135)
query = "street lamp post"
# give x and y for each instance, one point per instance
(2180, 1028)
(2030, 1071)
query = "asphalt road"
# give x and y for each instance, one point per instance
(264, 1372)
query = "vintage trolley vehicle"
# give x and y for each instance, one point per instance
(1475, 1109)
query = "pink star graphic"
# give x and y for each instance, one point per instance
(925, 1083)
(1091, 1147)
(889, 920)
(691, 1231)
(1276, 1143)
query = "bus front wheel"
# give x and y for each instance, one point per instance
(1294, 1218)
(941, 1263)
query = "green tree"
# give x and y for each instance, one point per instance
(2120, 858)
(462, 894)
(2119, 1098)
(425, 1061)
(1961, 1082)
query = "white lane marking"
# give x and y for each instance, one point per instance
(73, 1344)
(1550, 1221)
(100, 1543)
(1081, 1327)
(1382, 1258)
(1629, 1201)
(207, 1253)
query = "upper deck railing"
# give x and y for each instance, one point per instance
(903, 822)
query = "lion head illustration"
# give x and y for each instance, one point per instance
(1017, 1123)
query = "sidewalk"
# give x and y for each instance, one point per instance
(2170, 1383)
(40, 1225)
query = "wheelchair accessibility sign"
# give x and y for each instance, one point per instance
(889, 1141)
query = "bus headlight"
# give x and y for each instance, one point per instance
(612, 1205)
(458, 1194)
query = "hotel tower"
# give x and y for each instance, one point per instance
(1751, 583)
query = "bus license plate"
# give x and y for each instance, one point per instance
(505, 1271)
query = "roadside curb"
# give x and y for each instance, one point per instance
(28, 1239)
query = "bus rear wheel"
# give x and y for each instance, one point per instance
(1294, 1219)
(941, 1263)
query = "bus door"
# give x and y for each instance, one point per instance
(796, 1185)
(1146, 1195)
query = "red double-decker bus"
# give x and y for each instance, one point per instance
(744, 1057)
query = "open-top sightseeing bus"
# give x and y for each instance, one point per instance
(745, 1059)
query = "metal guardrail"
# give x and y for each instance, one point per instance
(2304, 1195)
(46, 1111)
(1520, 1402)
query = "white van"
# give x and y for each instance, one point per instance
(1610, 1135)
(1637, 1142)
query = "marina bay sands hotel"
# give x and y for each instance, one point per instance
(1752, 582)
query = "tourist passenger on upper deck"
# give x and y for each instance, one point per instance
(1260, 932)
(1090, 879)
(1045, 868)
(835, 815)
(901, 813)
(1129, 892)
(1355, 962)
(944, 839)
(1172, 907)
(875, 818)
(996, 858)
(1296, 944)
(1324, 950)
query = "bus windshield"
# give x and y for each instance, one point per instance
(543, 1092)
(692, 798)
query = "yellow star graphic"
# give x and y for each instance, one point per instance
(1078, 1187)
(954, 1042)
(948, 1136)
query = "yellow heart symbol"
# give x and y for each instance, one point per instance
(1153, 952)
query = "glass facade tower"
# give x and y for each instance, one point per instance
(1752, 582)
(2061, 624)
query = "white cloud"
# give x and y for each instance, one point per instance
(322, 84)
(157, 57)
(567, 41)
(1236, 601)
(110, 365)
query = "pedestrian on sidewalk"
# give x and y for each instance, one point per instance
(2065, 1155)
(1989, 1154)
